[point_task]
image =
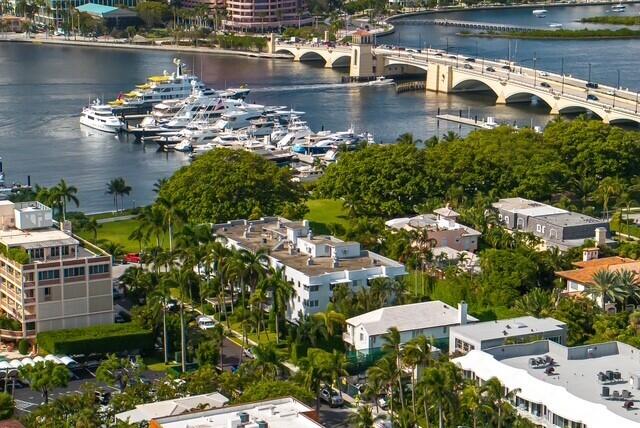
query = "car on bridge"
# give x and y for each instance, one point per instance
(470, 59)
(543, 74)
(468, 67)
(491, 69)
(545, 85)
(592, 97)
(592, 85)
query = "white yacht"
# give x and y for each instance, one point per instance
(380, 81)
(618, 8)
(540, 13)
(100, 116)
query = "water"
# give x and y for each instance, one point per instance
(43, 89)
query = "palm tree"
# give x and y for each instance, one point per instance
(159, 184)
(392, 347)
(182, 279)
(474, 401)
(258, 299)
(385, 371)
(161, 294)
(498, 396)
(282, 292)
(629, 285)
(172, 214)
(267, 362)
(65, 194)
(604, 285)
(450, 136)
(115, 249)
(338, 368)
(330, 318)
(150, 225)
(407, 138)
(609, 187)
(112, 190)
(537, 302)
(363, 417)
(436, 390)
(314, 370)
(417, 353)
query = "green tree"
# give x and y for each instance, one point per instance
(270, 389)
(63, 194)
(363, 417)
(228, 184)
(604, 285)
(7, 406)
(120, 371)
(315, 369)
(45, 376)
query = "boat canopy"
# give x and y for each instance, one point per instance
(159, 79)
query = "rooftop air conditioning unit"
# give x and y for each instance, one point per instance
(244, 417)
(262, 424)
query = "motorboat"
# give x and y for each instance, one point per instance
(380, 81)
(555, 25)
(540, 13)
(100, 116)
(618, 8)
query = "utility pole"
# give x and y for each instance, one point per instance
(562, 72)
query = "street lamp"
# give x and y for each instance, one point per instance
(636, 103)
(616, 89)
(562, 73)
(589, 79)
(535, 74)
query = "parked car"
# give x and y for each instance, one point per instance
(491, 69)
(545, 85)
(592, 85)
(383, 401)
(468, 67)
(592, 97)
(102, 397)
(248, 354)
(119, 319)
(172, 305)
(331, 397)
(132, 258)
(116, 294)
(205, 322)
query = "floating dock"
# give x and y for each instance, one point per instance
(489, 123)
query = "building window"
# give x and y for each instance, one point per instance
(361, 337)
(96, 269)
(538, 228)
(47, 294)
(72, 272)
(311, 288)
(55, 251)
(506, 219)
(65, 250)
(45, 275)
(37, 253)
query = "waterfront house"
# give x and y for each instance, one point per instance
(266, 15)
(54, 12)
(556, 227)
(488, 334)
(111, 17)
(49, 279)
(579, 279)
(590, 386)
(432, 319)
(315, 265)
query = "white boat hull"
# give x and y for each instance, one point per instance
(113, 129)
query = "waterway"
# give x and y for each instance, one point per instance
(43, 89)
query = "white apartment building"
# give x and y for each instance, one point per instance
(489, 334)
(590, 386)
(279, 413)
(48, 279)
(431, 319)
(315, 265)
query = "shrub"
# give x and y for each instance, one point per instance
(24, 346)
(7, 405)
(100, 339)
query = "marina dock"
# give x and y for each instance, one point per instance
(489, 123)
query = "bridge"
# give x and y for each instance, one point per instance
(487, 26)
(448, 73)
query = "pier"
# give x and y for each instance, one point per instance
(487, 26)
(483, 124)
(410, 86)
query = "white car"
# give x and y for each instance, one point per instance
(544, 74)
(205, 323)
(610, 93)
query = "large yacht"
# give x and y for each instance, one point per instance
(100, 116)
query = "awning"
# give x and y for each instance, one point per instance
(53, 358)
(341, 281)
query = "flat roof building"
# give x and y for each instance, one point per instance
(555, 226)
(49, 279)
(591, 386)
(489, 334)
(280, 413)
(177, 406)
(431, 319)
(315, 265)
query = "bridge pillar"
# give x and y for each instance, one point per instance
(271, 44)
(439, 78)
(501, 99)
(361, 55)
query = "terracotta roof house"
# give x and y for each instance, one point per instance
(577, 280)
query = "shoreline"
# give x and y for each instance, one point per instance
(160, 48)
(514, 6)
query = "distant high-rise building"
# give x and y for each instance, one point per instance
(266, 15)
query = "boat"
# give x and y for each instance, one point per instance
(100, 116)
(555, 25)
(540, 13)
(380, 81)
(618, 8)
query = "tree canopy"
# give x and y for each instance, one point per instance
(227, 184)
(568, 161)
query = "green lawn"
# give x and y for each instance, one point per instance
(618, 225)
(118, 231)
(323, 212)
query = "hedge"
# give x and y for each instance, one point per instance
(99, 339)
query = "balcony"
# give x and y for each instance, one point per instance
(347, 337)
(11, 334)
(29, 300)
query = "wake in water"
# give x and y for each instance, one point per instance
(313, 87)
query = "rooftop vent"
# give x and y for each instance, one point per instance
(310, 261)
(244, 417)
(262, 424)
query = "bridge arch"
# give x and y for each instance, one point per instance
(282, 50)
(341, 61)
(617, 120)
(475, 84)
(524, 95)
(406, 63)
(569, 108)
(314, 56)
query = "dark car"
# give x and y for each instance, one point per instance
(468, 67)
(545, 85)
(506, 67)
(491, 69)
(592, 85)
(470, 59)
(439, 55)
(453, 57)
(592, 97)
